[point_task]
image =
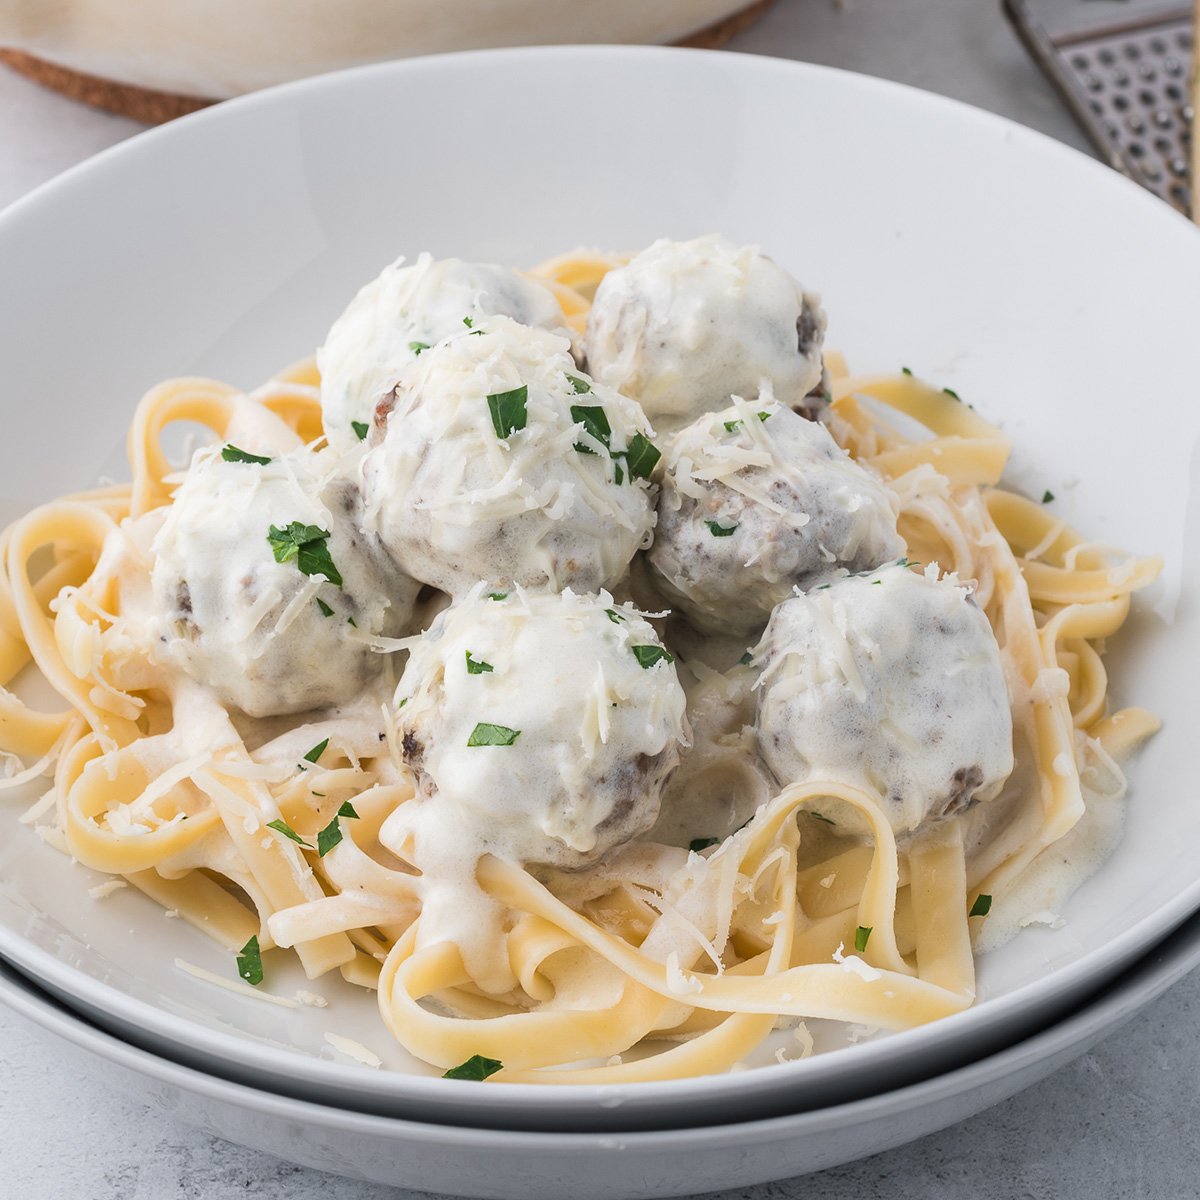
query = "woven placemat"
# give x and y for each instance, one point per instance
(154, 107)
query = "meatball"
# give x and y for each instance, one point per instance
(685, 325)
(406, 310)
(892, 681)
(756, 501)
(266, 589)
(543, 727)
(495, 460)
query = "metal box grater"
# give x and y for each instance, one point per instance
(1124, 69)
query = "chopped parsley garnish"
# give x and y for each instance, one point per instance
(306, 544)
(647, 656)
(1047, 496)
(816, 816)
(332, 833)
(467, 322)
(249, 962)
(476, 1068)
(478, 666)
(952, 394)
(508, 411)
(719, 530)
(231, 453)
(352, 621)
(877, 582)
(492, 735)
(417, 347)
(326, 611)
(361, 428)
(618, 474)
(981, 907)
(905, 371)
(862, 935)
(497, 595)
(594, 420)
(579, 386)
(698, 844)
(746, 660)
(315, 753)
(614, 616)
(641, 457)
(907, 562)
(283, 827)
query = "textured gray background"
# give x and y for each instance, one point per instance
(1120, 1122)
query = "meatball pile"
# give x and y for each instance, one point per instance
(474, 452)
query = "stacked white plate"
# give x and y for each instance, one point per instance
(1050, 293)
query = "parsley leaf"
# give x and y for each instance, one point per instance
(1047, 496)
(306, 544)
(816, 816)
(698, 844)
(615, 617)
(508, 411)
(467, 322)
(231, 453)
(982, 906)
(287, 831)
(647, 656)
(478, 666)
(579, 386)
(719, 530)
(497, 595)
(332, 833)
(249, 962)
(952, 394)
(594, 420)
(476, 1068)
(746, 660)
(642, 456)
(326, 611)
(360, 428)
(315, 753)
(862, 935)
(492, 735)
(417, 347)
(905, 371)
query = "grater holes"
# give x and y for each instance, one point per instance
(1120, 76)
(1147, 73)
(1080, 62)
(1158, 45)
(1183, 39)
(1094, 82)
(1164, 145)
(1107, 57)
(1150, 171)
(1179, 167)
(1180, 195)
(1121, 103)
(1173, 91)
(1172, 66)
(1136, 149)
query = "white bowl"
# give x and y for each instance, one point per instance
(619, 1165)
(1048, 291)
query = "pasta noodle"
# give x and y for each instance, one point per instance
(677, 962)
